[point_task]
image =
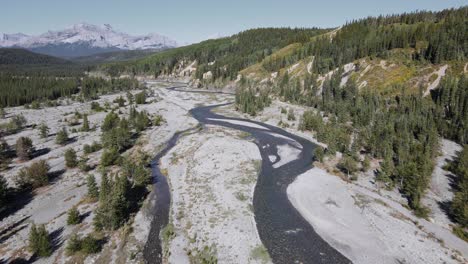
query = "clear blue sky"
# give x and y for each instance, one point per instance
(189, 21)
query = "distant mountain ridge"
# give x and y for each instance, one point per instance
(14, 56)
(85, 39)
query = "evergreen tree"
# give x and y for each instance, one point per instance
(62, 137)
(39, 241)
(70, 158)
(73, 216)
(93, 191)
(43, 130)
(24, 148)
(73, 245)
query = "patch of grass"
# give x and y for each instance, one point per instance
(241, 196)
(206, 255)
(168, 233)
(260, 253)
(244, 135)
(460, 232)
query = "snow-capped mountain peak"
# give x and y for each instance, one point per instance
(82, 35)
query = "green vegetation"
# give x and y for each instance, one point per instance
(87, 245)
(39, 241)
(459, 204)
(62, 137)
(71, 158)
(248, 101)
(260, 253)
(435, 36)
(43, 130)
(110, 157)
(16, 90)
(24, 148)
(224, 57)
(95, 146)
(85, 127)
(33, 176)
(93, 191)
(73, 217)
(114, 206)
(15, 124)
(140, 98)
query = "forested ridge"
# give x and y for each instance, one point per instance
(224, 57)
(25, 57)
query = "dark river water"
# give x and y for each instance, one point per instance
(288, 237)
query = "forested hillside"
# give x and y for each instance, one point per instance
(25, 57)
(24, 62)
(224, 57)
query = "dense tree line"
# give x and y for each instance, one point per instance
(459, 204)
(248, 100)
(451, 97)
(17, 56)
(17, 90)
(92, 87)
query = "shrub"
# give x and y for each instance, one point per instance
(95, 106)
(24, 148)
(39, 241)
(120, 101)
(365, 164)
(319, 154)
(73, 245)
(73, 216)
(291, 116)
(90, 245)
(109, 157)
(16, 123)
(348, 165)
(158, 120)
(140, 98)
(87, 149)
(110, 121)
(34, 176)
(70, 158)
(87, 245)
(137, 171)
(62, 137)
(83, 164)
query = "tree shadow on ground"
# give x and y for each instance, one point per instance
(16, 201)
(40, 152)
(55, 175)
(56, 238)
(445, 207)
(13, 229)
